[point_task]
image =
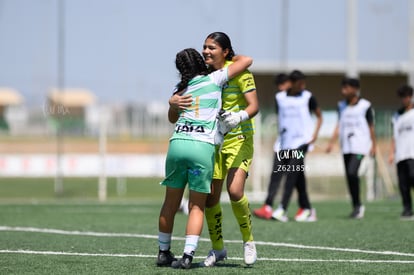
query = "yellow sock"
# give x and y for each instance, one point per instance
(241, 211)
(214, 217)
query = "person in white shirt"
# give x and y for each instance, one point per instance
(297, 133)
(402, 148)
(356, 132)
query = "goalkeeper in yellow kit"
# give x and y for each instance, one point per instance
(233, 158)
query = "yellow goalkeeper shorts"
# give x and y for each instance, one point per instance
(236, 152)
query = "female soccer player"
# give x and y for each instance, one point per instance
(190, 156)
(234, 157)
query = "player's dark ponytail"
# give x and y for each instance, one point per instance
(189, 63)
(224, 41)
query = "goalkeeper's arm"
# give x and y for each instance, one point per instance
(233, 119)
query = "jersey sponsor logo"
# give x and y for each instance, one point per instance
(188, 127)
(405, 128)
(350, 135)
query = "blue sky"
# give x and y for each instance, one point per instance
(124, 50)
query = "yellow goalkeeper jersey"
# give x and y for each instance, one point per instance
(233, 100)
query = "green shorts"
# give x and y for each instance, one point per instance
(189, 161)
(236, 152)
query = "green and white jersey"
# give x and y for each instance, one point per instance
(199, 122)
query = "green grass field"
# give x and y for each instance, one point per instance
(73, 233)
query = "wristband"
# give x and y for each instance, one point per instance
(243, 115)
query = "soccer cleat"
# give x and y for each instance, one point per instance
(264, 212)
(165, 258)
(250, 254)
(299, 215)
(280, 215)
(214, 256)
(407, 215)
(358, 212)
(305, 215)
(312, 217)
(184, 262)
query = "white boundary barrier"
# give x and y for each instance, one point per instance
(82, 165)
(132, 165)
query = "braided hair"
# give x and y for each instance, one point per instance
(224, 41)
(189, 63)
